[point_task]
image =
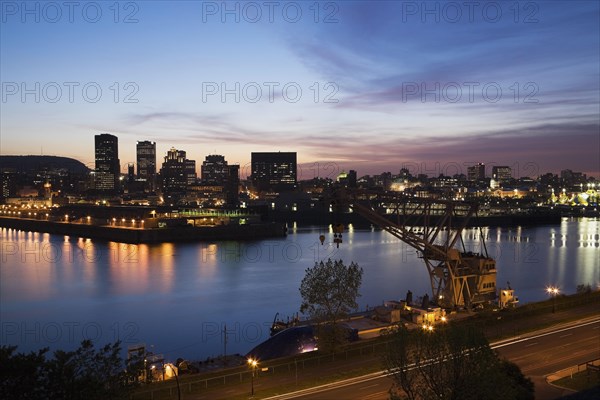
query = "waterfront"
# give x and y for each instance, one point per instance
(56, 290)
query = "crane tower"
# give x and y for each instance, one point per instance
(434, 228)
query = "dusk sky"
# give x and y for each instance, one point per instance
(434, 86)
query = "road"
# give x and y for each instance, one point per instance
(537, 356)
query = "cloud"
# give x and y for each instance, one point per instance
(544, 146)
(201, 128)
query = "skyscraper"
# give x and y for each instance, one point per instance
(476, 172)
(352, 178)
(130, 173)
(501, 173)
(274, 171)
(146, 163)
(108, 167)
(214, 169)
(190, 172)
(173, 172)
(232, 184)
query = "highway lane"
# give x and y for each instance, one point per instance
(537, 356)
(551, 353)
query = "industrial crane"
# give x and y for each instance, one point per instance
(459, 279)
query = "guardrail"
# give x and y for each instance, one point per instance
(242, 374)
(592, 365)
(300, 363)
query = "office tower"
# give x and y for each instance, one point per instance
(190, 172)
(107, 163)
(476, 172)
(352, 178)
(274, 171)
(232, 184)
(173, 172)
(146, 163)
(214, 169)
(130, 172)
(501, 173)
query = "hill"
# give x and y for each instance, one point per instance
(35, 163)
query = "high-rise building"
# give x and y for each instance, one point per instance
(476, 172)
(173, 172)
(130, 172)
(501, 173)
(8, 187)
(146, 163)
(232, 184)
(108, 167)
(569, 177)
(190, 172)
(274, 171)
(214, 169)
(352, 178)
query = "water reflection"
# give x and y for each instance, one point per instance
(194, 288)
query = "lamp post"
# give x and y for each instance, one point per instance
(176, 373)
(252, 363)
(553, 292)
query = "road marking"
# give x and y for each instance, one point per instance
(530, 344)
(378, 396)
(516, 340)
(368, 387)
(568, 334)
(381, 374)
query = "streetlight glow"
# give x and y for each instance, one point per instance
(553, 291)
(252, 362)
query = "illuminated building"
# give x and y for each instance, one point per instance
(146, 163)
(501, 173)
(214, 169)
(174, 172)
(107, 163)
(476, 172)
(274, 171)
(190, 172)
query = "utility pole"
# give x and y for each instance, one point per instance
(225, 344)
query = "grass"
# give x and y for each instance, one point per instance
(580, 381)
(519, 318)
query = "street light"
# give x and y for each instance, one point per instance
(553, 292)
(252, 363)
(176, 373)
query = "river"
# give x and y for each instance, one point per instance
(179, 298)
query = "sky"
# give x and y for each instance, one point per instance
(373, 86)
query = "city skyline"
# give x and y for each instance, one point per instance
(328, 169)
(379, 81)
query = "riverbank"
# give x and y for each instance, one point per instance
(315, 217)
(312, 369)
(242, 232)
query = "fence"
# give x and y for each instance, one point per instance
(243, 374)
(495, 328)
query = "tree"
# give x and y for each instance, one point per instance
(451, 363)
(584, 289)
(85, 373)
(22, 376)
(329, 291)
